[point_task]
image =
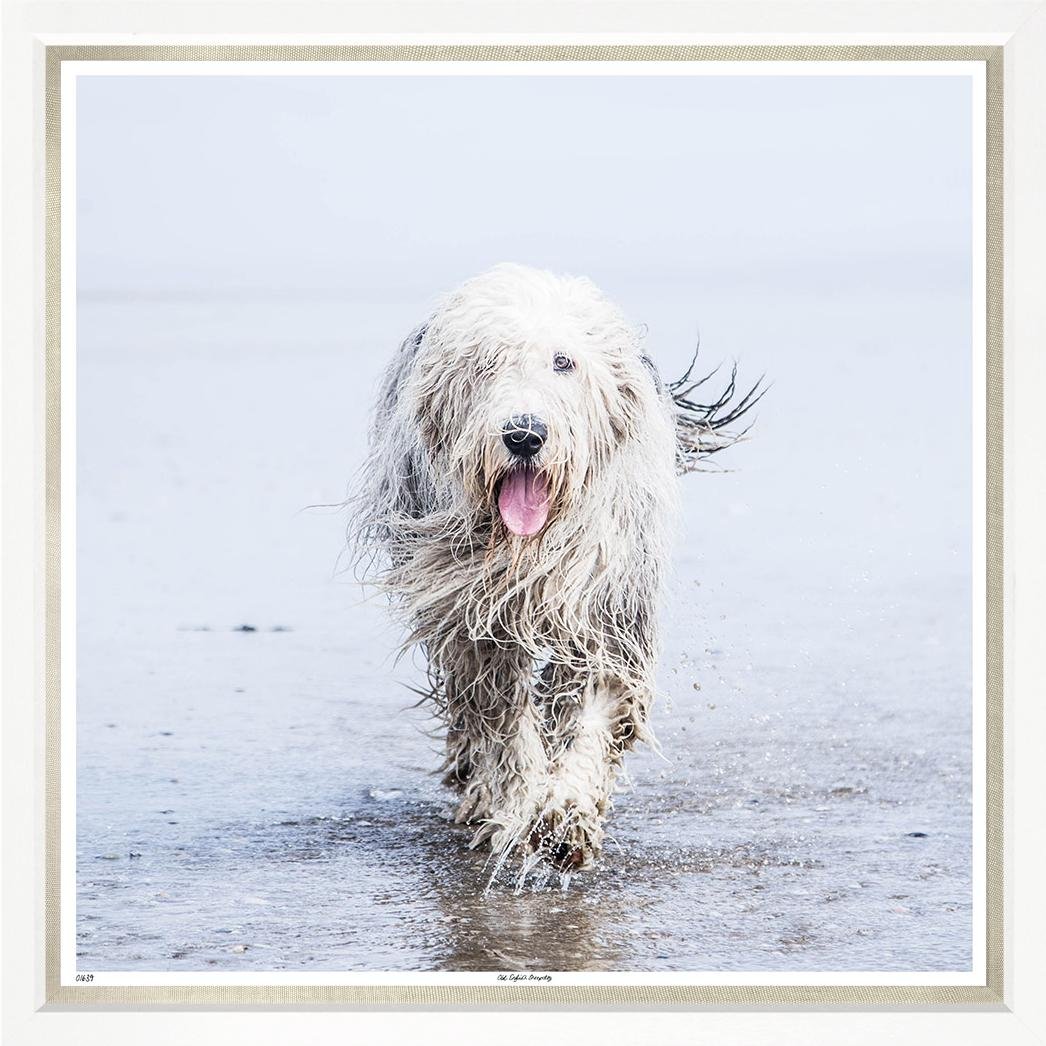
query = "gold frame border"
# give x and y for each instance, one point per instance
(989, 995)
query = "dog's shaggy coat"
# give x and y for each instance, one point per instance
(518, 501)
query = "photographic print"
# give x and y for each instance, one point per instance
(524, 523)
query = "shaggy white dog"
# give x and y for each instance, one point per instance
(517, 502)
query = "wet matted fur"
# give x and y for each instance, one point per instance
(530, 576)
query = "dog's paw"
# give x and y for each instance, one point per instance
(475, 803)
(457, 775)
(507, 828)
(568, 838)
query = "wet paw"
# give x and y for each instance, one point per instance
(457, 775)
(568, 841)
(505, 829)
(474, 804)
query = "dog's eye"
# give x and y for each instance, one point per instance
(562, 362)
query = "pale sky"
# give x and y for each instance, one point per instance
(383, 187)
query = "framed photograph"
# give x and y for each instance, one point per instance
(523, 524)
(472, 288)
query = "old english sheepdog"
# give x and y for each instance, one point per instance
(517, 503)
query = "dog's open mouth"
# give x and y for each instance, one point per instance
(523, 501)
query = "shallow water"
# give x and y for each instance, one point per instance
(264, 799)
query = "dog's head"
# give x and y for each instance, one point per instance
(526, 386)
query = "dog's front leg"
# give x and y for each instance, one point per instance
(593, 722)
(497, 755)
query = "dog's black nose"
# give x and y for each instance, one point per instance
(524, 435)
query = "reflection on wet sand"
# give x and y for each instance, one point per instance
(635, 911)
(541, 927)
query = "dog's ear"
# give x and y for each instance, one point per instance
(625, 410)
(402, 364)
(397, 484)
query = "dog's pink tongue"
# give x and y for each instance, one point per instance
(523, 502)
